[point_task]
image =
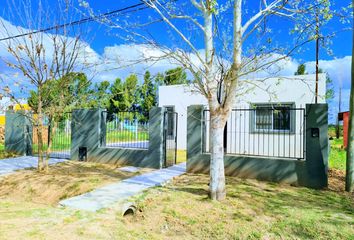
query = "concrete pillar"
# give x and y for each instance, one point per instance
(195, 138)
(317, 145)
(85, 132)
(18, 133)
(156, 142)
(89, 133)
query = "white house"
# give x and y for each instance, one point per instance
(267, 119)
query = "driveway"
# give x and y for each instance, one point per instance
(10, 165)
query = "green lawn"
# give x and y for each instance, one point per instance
(124, 136)
(337, 156)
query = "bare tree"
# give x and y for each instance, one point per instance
(219, 69)
(39, 53)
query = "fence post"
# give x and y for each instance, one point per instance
(85, 132)
(317, 145)
(156, 142)
(194, 135)
(18, 133)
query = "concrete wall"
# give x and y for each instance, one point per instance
(311, 172)
(18, 133)
(293, 89)
(88, 130)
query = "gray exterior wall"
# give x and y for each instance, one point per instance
(311, 172)
(18, 133)
(88, 130)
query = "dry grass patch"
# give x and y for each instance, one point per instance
(181, 210)
(63, 180)
(4, 155)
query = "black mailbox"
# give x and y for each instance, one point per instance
(315, 132)
(82, 153)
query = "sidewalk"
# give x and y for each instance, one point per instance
(10, 165)
(120, 191)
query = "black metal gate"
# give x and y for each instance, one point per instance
(60, 133)
(170, 138)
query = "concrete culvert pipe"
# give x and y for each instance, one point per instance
(128, 209)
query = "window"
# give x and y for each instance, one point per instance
(273, 117)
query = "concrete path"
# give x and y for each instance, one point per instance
(121, 191)
(10, 165)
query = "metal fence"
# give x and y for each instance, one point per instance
(127, 129)
(265, 131)
(60, 132)
(170, 138)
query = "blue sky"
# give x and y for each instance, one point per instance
(102, 38)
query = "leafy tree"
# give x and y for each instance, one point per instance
(159, 79)
(301, 70)
(175, 76)
(131, 93)
(61, 95)
(147, 95)
(124, 96)
(329, 86)
(101, 96)
(57, 96)
(116, 101)
(41, 58)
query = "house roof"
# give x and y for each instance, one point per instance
(341, 115)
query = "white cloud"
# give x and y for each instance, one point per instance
(13, 77)
(122, 60)
(284, 67)
(338, 69)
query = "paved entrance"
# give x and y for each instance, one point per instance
(10, 165)
(120, 191)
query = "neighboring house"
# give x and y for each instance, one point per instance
(344, 116)
(7, 104)
(268, 118)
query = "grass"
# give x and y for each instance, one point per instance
(181, 210)
(125, 136)
(337, 156)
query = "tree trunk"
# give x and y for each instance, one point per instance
(217, 189)
(52, 129)
(349, 181)
(40, 132)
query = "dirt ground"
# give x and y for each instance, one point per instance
(336, 182)
(63, 180)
